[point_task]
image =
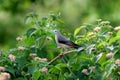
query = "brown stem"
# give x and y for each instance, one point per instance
(61, 55)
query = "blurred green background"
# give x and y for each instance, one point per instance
(74, 13)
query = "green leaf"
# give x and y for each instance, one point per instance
(108, 70)
(102, 59)
(77, 30)
(90, 48)
(114, 39)
(118, 33)
(36, 75)
(29, 41)
(30, 32)
(98, 57)
(60, 66)
(84, 58)
(60, 21)
(10, 70)
(26, 20)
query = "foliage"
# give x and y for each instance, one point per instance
(98, 61)
(74, 13)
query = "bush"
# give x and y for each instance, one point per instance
(34, 55)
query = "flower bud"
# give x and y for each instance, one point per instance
(37, 58)
(117, 28)
(2, 68)
(2, 77)
(5, 75)
(85, 71)
(97, 29)
(105, 22)
(99, 20)
(92, 68)
(21, 48)
(43, 59)
(44, 70)
(91, 34)
(110, 55)
(48, 38)
(110, 33)
(33, 54)
(117, 62)
(110, 26)
(19, 39)
(40, 59)
(118, 72)
(12, 57)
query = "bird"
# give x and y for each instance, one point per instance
(64, 42)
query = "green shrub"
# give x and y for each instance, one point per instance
(97, 59)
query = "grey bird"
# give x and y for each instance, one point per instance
(63, 42)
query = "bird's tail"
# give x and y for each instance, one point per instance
(76, 46)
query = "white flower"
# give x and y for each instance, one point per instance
(2, 68)
(33, 54)
(117, 28)
(97, 28)
(109, 55)
(12, 57)
(92, 68)
(5, 76)
(117, 62)
(110, 33)
(40, 59)
(19, 39)
(91, 34)
(85, 71)
(21, 48)
(44, 70)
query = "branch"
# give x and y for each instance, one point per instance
(64, 53)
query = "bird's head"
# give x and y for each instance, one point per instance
(56, 32)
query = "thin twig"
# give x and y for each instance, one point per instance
(61, 55)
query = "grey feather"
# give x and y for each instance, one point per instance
(60, 39)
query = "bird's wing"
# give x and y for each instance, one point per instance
(64, 40)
